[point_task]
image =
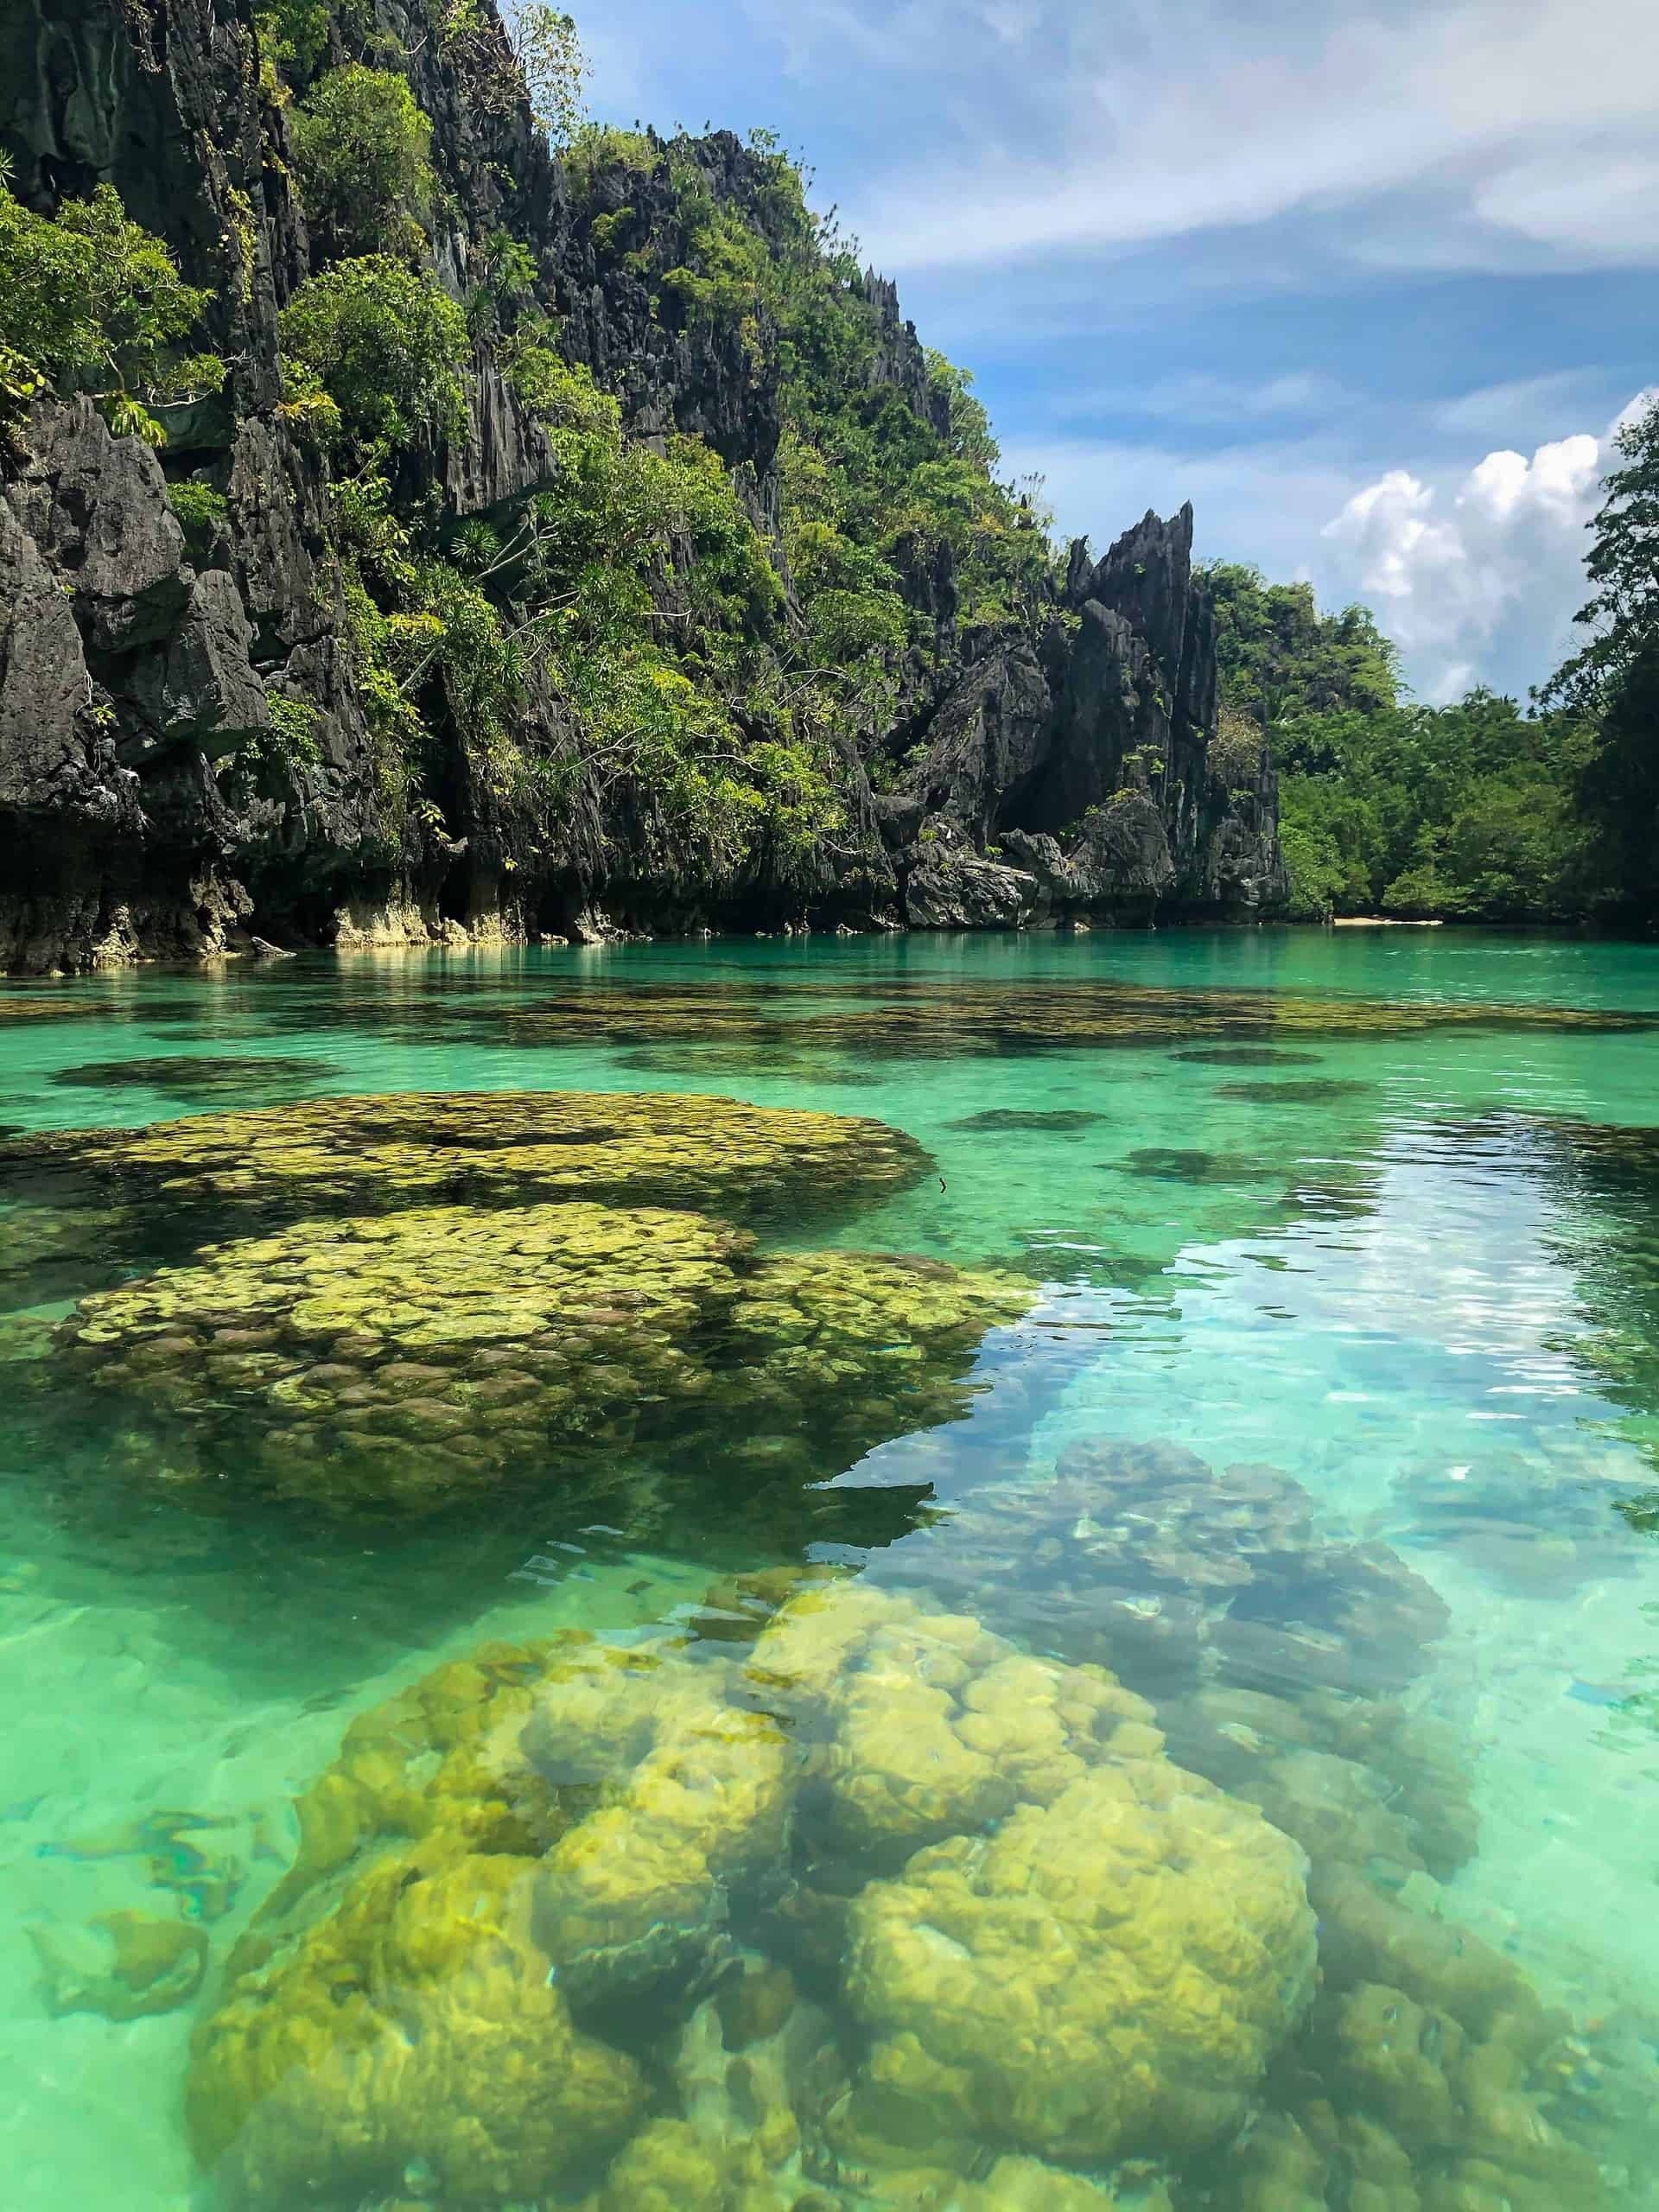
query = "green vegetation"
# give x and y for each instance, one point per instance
(1613, 681)
(550, 62)
(363, 152)
(883, 480)
(627, 629)
(1467, 811)
(91, 302)
(294, 35)
(199, 510)
(385, 344)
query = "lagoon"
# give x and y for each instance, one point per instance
(1268, 1317)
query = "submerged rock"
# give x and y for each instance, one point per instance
(1058, 1119)
(125, 1964)
(1142, 1556)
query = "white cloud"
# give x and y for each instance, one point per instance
(1151, 119)
(1469, 580)
(1475, 572)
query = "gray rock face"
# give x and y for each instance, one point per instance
(1084, 762)
(151, 804)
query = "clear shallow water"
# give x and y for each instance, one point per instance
(1377, 1263)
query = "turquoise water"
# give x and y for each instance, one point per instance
(1341, 1206)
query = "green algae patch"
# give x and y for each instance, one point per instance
(929, 1019)
(495, 1958)
(1246, 1056)
(403, 1359)
(39, 1006)
(501, 1147)
(1176, 1164)
(1059, 1121)
(203, 1077)
(1314, 1090)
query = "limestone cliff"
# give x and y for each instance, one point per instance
(1052, 767)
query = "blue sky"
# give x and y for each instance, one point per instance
(1369, 281)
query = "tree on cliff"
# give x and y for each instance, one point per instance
(91, 302)
(1614, 676)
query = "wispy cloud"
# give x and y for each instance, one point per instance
(1155, 122)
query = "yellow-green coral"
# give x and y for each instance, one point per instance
(1105, 1975)
(402, 1358)
(548, 1939)
(925, 1724)
(502, 1147)
(638, 1886)
(413, 2026)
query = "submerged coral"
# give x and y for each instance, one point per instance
(1110, 1974)
(200, 1076)
(515, 1884)
(1145, 1558)
(499, 1148)
(922, 1017)
(865, 1911)
(399, 1359)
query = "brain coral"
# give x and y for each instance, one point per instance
(1105, 1975)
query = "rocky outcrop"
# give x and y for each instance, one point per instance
(1069, 778)
(184, 758)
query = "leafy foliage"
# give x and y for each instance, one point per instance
(364, 151)
(91, 302)
(552, 65)
(385, 344)
(1614, 676)
(293, 35)
(199, 510)
(1467, 811)
(1279, 656)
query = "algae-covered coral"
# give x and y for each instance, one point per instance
(870, 1911)
(1107, 1973)
(488, 1963)
(200, 1075)
(496, 1148)
(400, 1358)
(924, 1018)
